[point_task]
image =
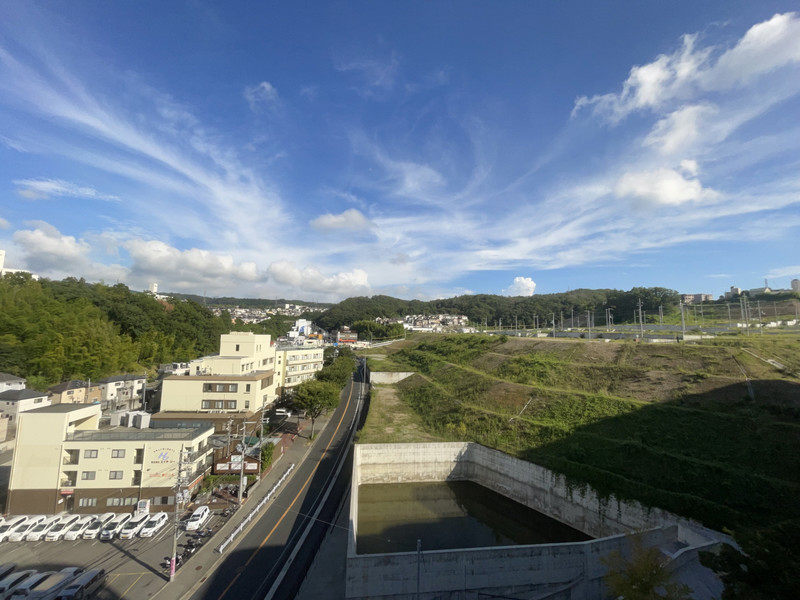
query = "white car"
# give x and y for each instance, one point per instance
(37, 533)
(20, 531)
(154, 524)
(132, 527)
(76, 530)
(114, 526)
(199, 516)
(58, 530)
(9, 524)
(96, 526)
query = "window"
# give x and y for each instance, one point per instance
(87, 475)
(139, 458)
(115, 474)
(118, 454)
(163, 500)
(247, 388)
(230, 404)
(234, 387)
(247, 403)
(90, 454)
(208, 387)
(220, 387)
(38, 400)
(84, 502)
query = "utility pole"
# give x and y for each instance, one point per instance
(683, 320)
(180, 480)
(589, 323)
(553, 316)
(661, 314)
(730, 322)
(562, 319)
(641, 320)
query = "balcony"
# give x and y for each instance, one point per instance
(71, 457)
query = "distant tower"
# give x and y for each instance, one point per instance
(2, 261)
(796, 285)
(154, 288)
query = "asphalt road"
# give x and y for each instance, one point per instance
(261, 560)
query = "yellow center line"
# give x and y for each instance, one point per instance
(131, 585)
(305, 484)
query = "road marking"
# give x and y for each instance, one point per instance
(305, 484)
(131, 585)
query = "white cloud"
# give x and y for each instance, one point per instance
(663, 186)
(690, 167)
(764, 48)
(312, 280)
(790, 271)
(681, 129)
(379, 75)
(522, 286)
(4, 224)
(38, 189)
(157, 259)
(350, 220)
(262, 94)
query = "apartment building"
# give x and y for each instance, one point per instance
(296, 364)
(122, 392)
(64, 461)
(240, 379)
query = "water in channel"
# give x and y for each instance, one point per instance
(446, 515)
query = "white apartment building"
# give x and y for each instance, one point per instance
(296, 364)
(63, 461)
(240, 379)
(14, 402)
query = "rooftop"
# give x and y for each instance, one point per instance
(17, 395)
(134, 434)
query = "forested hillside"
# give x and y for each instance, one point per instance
(490, 309)
(51, 331)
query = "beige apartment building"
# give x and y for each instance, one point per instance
(63, 460)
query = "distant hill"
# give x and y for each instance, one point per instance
(230, 302)
(492, 309)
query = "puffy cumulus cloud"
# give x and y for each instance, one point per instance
(676, 77)
(680, 130)
(522, 286)
(350, 220)
(663, 186)
(155, 259)
(259, 95)
(311, 279)
(39, 189)
(46, 249)
(690, 167)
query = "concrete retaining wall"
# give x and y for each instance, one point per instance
(572, 571)
(388, 376)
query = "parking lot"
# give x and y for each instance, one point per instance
(135, 567)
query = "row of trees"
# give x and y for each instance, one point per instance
(491, 309)
(316, 396)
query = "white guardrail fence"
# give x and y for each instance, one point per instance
(254, 512)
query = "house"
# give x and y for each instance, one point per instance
(14, 402)
(11, 382)
(64, 461)
(74, 392)
(122, 392)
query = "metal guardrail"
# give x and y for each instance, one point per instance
(254, 511)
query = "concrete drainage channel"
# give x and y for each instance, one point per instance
(254, 512)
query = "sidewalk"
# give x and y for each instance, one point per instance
(199, 567)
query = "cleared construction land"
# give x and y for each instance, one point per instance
(709, 431)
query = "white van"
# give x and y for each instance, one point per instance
(199, 516)
(8, 524)
(84, 586)
(20, 531)
(59, 529)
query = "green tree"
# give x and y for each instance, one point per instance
(267, 452)
(315, 397)
(642, 576)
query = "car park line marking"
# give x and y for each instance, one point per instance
(299, 493)
(131, 585)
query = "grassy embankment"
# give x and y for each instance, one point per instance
(673, 426)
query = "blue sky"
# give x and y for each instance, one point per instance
(320, 150)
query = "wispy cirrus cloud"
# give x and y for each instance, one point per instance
(261, 95)
(36, 189)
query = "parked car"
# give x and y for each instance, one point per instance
(7, 569)
(132, 527)
(76, 530)
(20, 531)
(59, 529)
(23, 590)
(199, 516)
(38, 532)
(48, 587)
(154, 524)
(114, 526)
(85, 586)
(96, 526)
(10, 582)
(9, 524)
